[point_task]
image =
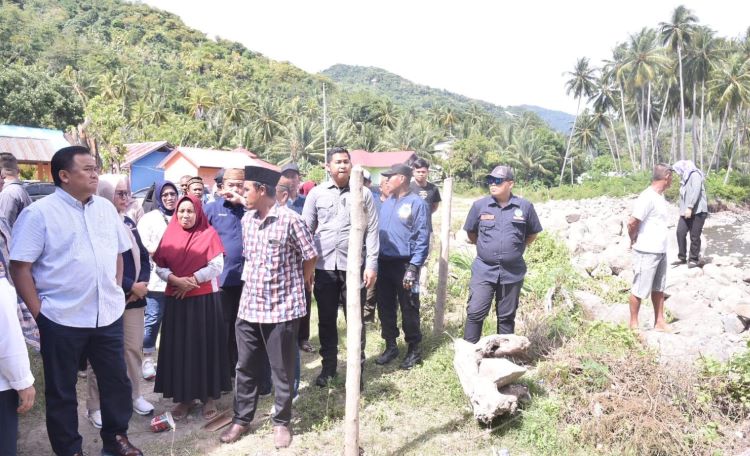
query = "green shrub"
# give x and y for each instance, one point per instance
(727, 385)
(737, 190)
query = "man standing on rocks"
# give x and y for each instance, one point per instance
(647, 228)
(501, 225)
(693, 212)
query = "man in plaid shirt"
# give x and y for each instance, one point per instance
(279, 264)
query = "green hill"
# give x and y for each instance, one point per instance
(408, 93)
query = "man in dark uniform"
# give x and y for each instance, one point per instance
(426, 190)
(501, 225)
(404, 240)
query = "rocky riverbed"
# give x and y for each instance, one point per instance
(709, 307)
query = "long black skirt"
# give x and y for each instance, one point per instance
(193, 361)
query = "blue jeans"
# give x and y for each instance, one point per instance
(152, 320)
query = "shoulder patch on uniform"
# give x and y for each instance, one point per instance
(404, 211)
(487, 217)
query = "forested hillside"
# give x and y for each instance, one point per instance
(403, 91)
(140, 74)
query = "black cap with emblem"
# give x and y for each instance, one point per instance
(262, 175)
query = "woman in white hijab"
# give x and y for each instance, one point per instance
(136, 272)
(693, 212)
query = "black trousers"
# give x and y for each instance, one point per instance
(330, 294)
(8, 422)
(480, 301)
(254, 341)
(694, 226)
(62, 348)
(391, 295)
(230, 304)
(304, 323)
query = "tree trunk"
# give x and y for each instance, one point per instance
(570, 140)
(673, 146)
(354, 315)
(611, 149)
(700, 141)
(682, 104)
(719, 137)
(642, 133)
(627, 129)
(737, 145)
(648, 112)
(693, 130)
(618, 164)
(661, 118)
(445, 236)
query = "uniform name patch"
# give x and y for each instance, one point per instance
(487, 217)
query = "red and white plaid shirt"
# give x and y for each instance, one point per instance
(274, 250)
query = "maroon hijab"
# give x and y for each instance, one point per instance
(186, 251)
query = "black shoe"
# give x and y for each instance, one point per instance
(412, 358)
(679, 262)
(326, 375)
(694, 264)
(389, 354)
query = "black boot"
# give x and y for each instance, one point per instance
(412, 358)
(327, 374)
(389, 354)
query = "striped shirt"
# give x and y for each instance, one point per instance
(73, 248)
(274, 249)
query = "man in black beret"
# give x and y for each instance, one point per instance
(279, 263)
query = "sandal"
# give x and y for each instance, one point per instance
(210, 411)
(181, 411)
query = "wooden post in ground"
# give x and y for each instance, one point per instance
(354, 313)
(445, 235)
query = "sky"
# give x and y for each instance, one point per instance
(504, 52)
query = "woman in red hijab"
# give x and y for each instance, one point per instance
(193, 363)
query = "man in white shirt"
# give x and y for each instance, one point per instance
(66, 265)
(647, 228)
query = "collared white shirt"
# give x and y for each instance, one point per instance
(74, 249)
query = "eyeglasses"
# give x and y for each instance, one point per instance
(122, 194)
(169, 195)
(495, 180)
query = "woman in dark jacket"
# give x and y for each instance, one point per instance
(135, 275)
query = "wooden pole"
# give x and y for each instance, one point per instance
(445, 235)
(354, 313)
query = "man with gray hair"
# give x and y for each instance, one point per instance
(647, 228)
(13, 198)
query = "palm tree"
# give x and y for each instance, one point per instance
(605, 101)
(385, 114)
(676, 34)
(701, 56)
(730, 88)
(643, 62)
(531, 157)
(580, 84)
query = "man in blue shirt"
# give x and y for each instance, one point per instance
(404, 242)
(501, 225)
(225, 215)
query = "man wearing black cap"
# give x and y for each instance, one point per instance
(501, 225)
(404, 242)
(279, 262)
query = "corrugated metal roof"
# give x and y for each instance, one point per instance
(214, 158)
(380, 159)
(138, 150)
(31, 144)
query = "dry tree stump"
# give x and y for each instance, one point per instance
(487, 376)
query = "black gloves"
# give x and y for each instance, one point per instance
(411, 276)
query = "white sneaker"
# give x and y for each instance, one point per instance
(142, 407)
(95, 417)
(148, 368)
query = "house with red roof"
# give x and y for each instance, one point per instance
(194, 161)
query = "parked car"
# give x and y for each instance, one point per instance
(38, 190)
